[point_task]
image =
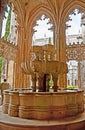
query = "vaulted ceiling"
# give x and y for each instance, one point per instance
(24, 6)
(27, 6)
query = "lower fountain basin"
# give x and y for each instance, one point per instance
(44, 105)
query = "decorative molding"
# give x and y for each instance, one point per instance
(75, 51)
(7, 50)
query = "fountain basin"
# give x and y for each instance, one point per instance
(46, 105)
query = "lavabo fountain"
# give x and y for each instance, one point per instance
(45, 100)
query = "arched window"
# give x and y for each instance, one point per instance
(75, 40)
(43, 31)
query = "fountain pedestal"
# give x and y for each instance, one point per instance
(42, 66)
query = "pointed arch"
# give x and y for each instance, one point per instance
(68, 8)
(36, 14)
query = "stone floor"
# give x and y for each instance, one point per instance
(16, 123)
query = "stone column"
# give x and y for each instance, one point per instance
(40, 82)
(79, 74)
(47, 82)
(19, 77)
(33, 78)
(55, 79)
(62, 54)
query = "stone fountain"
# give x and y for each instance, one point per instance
(44, 70)
(42, 64)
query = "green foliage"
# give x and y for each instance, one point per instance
(70, 87)
(49, 42)
(51, 82)
(0, 67)
(7, 31)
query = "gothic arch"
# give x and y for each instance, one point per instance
(38, 11)
(68, 9)
(36, 14)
